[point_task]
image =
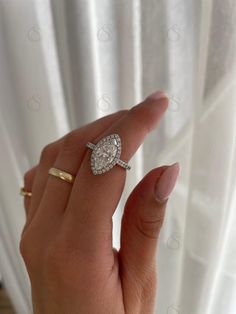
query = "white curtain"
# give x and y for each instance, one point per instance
(64, 63)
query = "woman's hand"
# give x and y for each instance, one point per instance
(66, 243)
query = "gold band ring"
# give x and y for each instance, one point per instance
(61, 174)
(23, 192)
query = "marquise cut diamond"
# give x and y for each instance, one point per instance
(105, 154)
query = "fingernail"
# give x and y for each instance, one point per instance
(166, 182)
(157, 95)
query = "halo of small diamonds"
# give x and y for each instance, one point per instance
(106, 154)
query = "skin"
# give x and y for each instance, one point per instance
(66, 243)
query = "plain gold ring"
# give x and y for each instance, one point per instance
(61, 175)
(23, 192)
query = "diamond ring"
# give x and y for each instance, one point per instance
(106, 154)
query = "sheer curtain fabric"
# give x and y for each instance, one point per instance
(65, 63)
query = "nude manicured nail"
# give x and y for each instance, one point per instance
(166, 182)
(157, 95)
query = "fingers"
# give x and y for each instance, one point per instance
(69, 159)
(100, 194)
(141, 223)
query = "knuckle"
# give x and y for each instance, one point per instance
(25, 249)
(24, 230)
(134, 111)
(149, 228)
(32, 254)
(28, 176)
(46, 153)
(71, 143)
(142, 117)
(22, 248)
(23, 244)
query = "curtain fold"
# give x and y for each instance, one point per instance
(66, 63)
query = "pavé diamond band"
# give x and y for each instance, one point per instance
(106, 154)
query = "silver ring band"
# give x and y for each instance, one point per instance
(90, 145)
(123, 164)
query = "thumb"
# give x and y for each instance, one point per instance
(141, 223)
